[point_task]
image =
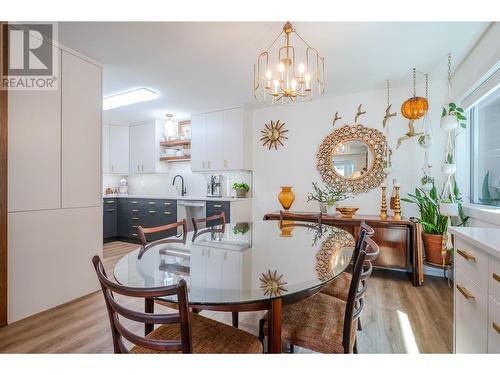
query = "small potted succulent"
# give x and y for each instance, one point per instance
(327, 198)
(449, 167)
(241, 189)
(452, 116)
(427, 183)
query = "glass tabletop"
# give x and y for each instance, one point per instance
(242, 262)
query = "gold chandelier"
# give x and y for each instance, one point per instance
(288, 81)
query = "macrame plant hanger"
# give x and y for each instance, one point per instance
(387, 161)
(425, 140)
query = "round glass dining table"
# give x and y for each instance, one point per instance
(244, 266)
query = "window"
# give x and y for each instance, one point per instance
(485, 150)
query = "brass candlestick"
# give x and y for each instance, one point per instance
(397, 205)
(383, 205)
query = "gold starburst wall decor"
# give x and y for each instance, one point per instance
(272, 284)
(273, 134)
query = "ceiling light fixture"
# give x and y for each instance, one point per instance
(288, 80)
(128, 97)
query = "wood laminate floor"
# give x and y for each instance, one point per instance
(398, 318)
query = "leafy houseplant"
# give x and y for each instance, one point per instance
(449, 166)
(427, 182)
(452, 116)
(241, 189)
(327, 197)
(434, 225)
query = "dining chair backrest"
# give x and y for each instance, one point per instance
(365, 231)
(354, 305)
(219, 218)
(301, 218)
(163, 228)
(117, 310)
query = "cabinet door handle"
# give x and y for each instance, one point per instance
(466, 255)
(167, 213)
(225, 163)
(167, 203)
(135, 218)
(110, 202)
(496, 327)
(138, 169)
(142, 167)
(152, 211)
(465, 292)
(110, 210)
(134, 234)
(152, 203)
(135, 211)
(135, 226)
(496, 277)
(134, 202)
(217, 205)
(208, 164)
(203, 165)
(112, 168)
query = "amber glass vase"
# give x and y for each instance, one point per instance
(286, 197)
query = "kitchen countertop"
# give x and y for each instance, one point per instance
(177, 197)
(487, 239)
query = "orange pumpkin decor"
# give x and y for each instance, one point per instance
(414, 108)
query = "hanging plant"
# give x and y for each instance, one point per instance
(449, 167)
(427, 182)
(425, 141)
(452, 116)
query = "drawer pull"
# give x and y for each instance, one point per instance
(135, 211)
(110, 202)
(135, 226)
(496, 327)
(466, 255)
(217, 205)
(496, 277)
(135, 218)
(152, 212)
(465, 292)
(167, 203)
(134, 234)
(110, 210)
(152, 203)
(168, 213)
(134, 202)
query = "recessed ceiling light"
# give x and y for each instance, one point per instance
(128, 97)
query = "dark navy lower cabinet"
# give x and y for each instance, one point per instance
(109, 219)
(216, 208)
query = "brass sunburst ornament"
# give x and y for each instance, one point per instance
(273, 134)
(272, 284)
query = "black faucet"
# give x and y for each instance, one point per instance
(183, 188)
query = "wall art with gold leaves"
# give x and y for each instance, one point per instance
(274, 134)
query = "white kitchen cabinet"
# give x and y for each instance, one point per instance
(145, 148)
(118, 150)
(81, 132)
(221, 140)
(494, 327)
(34, 152)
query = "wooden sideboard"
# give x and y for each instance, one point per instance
(400, 247)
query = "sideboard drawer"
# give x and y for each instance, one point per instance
(471, 316)
(494, 278)
(494, 327)
(472, 263)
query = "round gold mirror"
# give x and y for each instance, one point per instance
(350, 158)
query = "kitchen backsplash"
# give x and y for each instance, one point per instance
(161, 183)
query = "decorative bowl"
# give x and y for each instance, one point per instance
(347, 212)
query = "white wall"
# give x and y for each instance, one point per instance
(309, 123)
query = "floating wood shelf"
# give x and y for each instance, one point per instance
(175, 143)
(175, 158)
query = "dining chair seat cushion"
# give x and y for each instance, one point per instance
(316, 323)
(208, 336)
(339, 287)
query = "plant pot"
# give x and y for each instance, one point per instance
(427, 187)
(448, 209)
(331, 209)
(241, 193)
(322, 207)
(449, 169)
(449, 122)
(426, 143)
(433, 244)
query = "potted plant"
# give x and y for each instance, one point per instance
(434, 225)
(387, 166)
(327, 198)
(241, 189)
(449, 167)
(427, 183)
(452, 116)
(425, 141)
(452, 205)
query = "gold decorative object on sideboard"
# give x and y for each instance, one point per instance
(273, 134)
(347, 212)
(397, 203)
(383, 204)
(286, 197)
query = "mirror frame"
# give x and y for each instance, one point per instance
(375, 141)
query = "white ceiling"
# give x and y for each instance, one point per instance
(206, 66)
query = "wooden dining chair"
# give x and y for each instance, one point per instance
(163, 228)
(324, 323)
(179, 331)
(219, 219)
(340, 286)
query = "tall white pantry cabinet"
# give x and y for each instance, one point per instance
(54, 198)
